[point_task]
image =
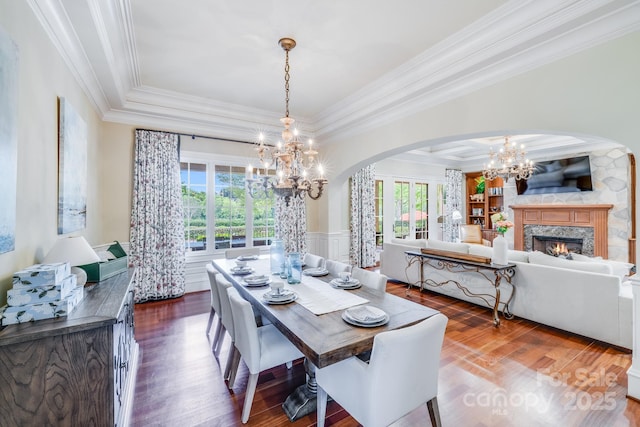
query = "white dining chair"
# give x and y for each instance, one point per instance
(236, 252)
(336, 267)
(225, 315)
(215, 306)
(261, 348)
(233, 359)
(313, 261)
(370, 279)
(389, 386)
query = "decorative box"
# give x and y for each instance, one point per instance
(102, 270)
(41, 294)
(32, 312)
(41, 275)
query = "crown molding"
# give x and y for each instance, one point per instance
(523, 35)
(517, 37)
(57, 25)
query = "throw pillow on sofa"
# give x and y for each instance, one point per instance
(487, 251)
(618, 268)
(539, 258)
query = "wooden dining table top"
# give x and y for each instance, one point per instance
(324, 339)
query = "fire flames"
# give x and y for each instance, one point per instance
(559, 249)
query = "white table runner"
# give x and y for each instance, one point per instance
(314, 294)
(320, 297)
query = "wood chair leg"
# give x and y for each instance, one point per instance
(434, 412)
(248, 397)
(234, 369)
(321, 408)
(210, 322)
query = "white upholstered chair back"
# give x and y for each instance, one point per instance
(389, 386)
(215, 298)
(336, 267)
(313, 261)
(371, 279)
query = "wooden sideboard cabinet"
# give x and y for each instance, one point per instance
(77, 370)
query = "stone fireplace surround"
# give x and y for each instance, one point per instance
(589, 222)
(583, 233)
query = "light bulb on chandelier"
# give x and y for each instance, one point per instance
(509, 162)
(294, 165)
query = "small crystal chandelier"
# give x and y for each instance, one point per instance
(509, 162)
(293, 164)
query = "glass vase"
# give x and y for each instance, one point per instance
(276, 256)
(294, 274)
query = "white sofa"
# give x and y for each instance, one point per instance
(586, 296)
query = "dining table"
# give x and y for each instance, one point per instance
(314, 322)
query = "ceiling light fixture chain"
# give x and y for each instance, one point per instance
(509, 162)
(292, 165)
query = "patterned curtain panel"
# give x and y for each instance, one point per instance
(362, 248)
(291, 225)
(453, 202)
(157, 224)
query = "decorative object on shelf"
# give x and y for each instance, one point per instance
(76, 251)
(480, 184)
(293, 164)
(508, 162)
(500, 245)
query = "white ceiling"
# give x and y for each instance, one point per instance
(215, 68)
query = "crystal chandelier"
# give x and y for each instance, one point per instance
(509, 162)
(293, 163)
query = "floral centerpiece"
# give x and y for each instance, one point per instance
(501, 222)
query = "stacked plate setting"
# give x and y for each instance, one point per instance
(365, 316)
(257, 280)
(315, 272)
(341, 284)
(241, 271)
(285, 296)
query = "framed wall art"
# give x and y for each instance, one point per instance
(8, 141)
(72, 169)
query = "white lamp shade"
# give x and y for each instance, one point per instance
(75, 250)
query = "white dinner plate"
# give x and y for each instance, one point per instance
(315, 272)
(365, 316)
(266, 297)
(341, 284)
(241, 271)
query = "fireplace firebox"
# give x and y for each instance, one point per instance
(556, 246)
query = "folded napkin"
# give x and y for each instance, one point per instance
(366, 314)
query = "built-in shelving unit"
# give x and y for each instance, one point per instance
(480, 207)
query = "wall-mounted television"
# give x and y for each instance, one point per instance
(558, 176)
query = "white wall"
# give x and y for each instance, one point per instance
(43, 78)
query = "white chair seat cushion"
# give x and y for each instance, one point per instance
(274, 348)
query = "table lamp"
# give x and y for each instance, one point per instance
(76, 251)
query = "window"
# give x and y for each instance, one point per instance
(230, 220)
(193, 177)
(379, 211)
(264, 220)
(421, 200)
(401, 200)
(218, 209)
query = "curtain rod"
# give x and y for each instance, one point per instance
(194, 136)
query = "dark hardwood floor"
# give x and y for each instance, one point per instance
(521, 374)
